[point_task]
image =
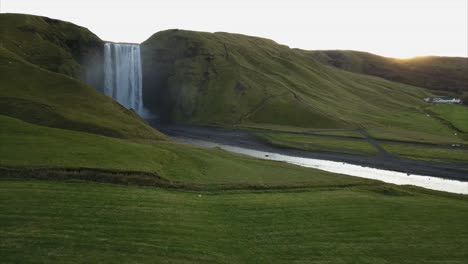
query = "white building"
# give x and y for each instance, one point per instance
(443, 100)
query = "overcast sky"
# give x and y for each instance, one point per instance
(396, 28)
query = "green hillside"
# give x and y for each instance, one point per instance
(42, 65)
(446, 74)
(43, 97)
(54, 45)
(230, 79)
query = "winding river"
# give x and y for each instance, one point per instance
(388, 176)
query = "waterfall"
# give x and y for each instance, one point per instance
(123, 75)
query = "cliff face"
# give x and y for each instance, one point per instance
(54, 45)
(162, 57)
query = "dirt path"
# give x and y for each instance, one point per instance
(382, 152)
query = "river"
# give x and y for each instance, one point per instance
(399, 178)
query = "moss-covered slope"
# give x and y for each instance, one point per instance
(221, 78)
(39, 96)
(436, 73)
(54, 45)
(42, 61)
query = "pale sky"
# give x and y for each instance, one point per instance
(395, 28)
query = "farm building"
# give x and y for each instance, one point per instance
(443, 100)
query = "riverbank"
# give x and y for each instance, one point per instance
(244, 139)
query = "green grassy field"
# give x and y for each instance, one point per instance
(354, 133)
(400, 134)
(27, 145)
(448, 122)
(56, 222)
(427, 153)
(317, 143)
(457, 115)
(361, 147)
(342, 133)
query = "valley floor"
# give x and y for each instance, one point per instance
(355, 147)
(203, 205)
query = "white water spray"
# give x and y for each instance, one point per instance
(123, 75)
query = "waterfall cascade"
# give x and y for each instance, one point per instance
(123, 75)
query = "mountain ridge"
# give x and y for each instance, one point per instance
(437, 73)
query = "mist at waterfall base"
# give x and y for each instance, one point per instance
(123, 79)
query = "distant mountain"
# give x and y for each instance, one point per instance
(447, 74)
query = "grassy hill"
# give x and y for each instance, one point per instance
(39, 96)
(445, 74)
(42, 65)
(54, 45)
(230, 79)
